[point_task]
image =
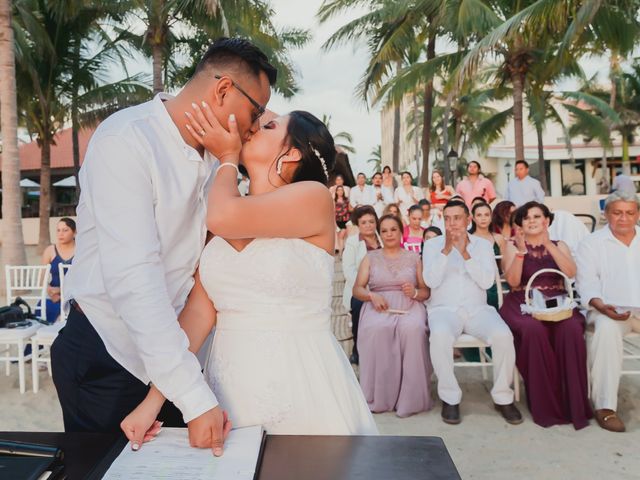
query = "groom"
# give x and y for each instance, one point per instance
(141, 229)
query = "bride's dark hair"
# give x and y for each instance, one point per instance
(309, 135)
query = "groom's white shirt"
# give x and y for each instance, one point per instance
(141, 230)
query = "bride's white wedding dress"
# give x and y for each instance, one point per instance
(274, 360)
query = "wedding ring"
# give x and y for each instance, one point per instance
(202, 132)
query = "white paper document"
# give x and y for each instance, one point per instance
(169, 456)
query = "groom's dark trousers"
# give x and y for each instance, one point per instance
(94, 390)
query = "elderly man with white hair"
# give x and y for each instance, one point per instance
(607, 280)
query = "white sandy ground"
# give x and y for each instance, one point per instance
(483, 446)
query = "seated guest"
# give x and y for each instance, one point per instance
(459, 268)
(382, 195)
(412, 232)
(551, 356)
(388, 178)
(568, 228)
(395, 370)
(476, 200)
(339, 182)
(607, 281)
(502, 219)
(428, 234)
(407, 195)
(430, 217)
(392, 209)
(481, 215)
(439, 192)
(61, 252)
(361, 194)
(355, 250)
(343, 214)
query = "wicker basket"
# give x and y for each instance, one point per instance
(551, 314)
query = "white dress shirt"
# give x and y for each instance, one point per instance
(608, 269)
(141, 229)
(406, 200)
(379, 204)
(359, 196)
(454, 281)
(526, 190)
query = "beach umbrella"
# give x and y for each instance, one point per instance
(66, 182)
(26, 183)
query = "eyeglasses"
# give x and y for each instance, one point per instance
(259, 108)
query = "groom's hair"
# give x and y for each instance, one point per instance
(236, 55)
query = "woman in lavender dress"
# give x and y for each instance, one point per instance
(395, 367)
(551, 356)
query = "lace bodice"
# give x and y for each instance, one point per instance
(270, 275)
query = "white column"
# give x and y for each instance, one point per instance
(590, 185)
(556, 178)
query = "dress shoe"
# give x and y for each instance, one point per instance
(450, 413)
(609, 420)
(510, 413)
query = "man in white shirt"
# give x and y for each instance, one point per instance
(243, 185)
(361, 194)
(523, 188)
(608, 280)
(382, 195)
(141, 228)
(459, 268)
(623, 183)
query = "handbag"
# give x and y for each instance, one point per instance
(14, 314)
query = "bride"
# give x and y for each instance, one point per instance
(265, 284)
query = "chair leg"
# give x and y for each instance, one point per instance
(483, 360)
(7, 363)
(516, 384)
(34, 366)
(21, 365)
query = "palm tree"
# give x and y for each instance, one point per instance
(184, 28)
(13, 251)
(340, 136)
(60, 79)
(375, 157)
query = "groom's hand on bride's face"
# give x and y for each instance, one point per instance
(210, 430)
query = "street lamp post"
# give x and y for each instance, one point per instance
(452, 156)
(507, 169)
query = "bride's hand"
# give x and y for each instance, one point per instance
(205, 128)
(140, 425)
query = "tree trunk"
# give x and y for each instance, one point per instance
(518, 86)
(626, 165)
(158, 64)
(448, 180)
(542, 168)
(44, 237)
(416, 138)
(396, 139)
(13, 251)
(427, 115)
(74, 121)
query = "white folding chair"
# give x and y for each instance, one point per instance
(631, 352)
(29, 283)
(63, 268)
(45, 336)
(469, 341)
(413, 246)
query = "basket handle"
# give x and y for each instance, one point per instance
(567, 283)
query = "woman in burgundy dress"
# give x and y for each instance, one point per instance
(551, 356)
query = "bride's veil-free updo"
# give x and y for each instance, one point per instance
(309, 135)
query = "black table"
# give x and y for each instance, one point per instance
(89, 455)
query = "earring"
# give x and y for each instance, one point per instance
(279, 166)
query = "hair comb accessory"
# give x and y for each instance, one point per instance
(322, 162)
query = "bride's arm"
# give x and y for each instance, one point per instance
(299, 210)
